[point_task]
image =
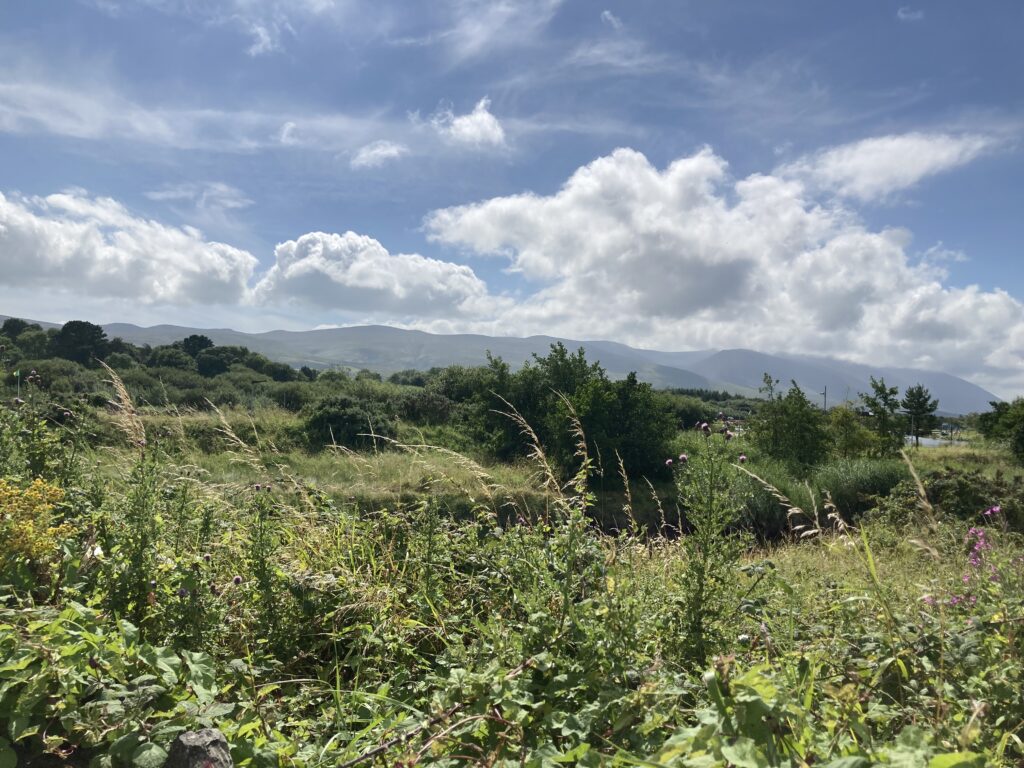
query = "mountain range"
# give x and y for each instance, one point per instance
(386, 349)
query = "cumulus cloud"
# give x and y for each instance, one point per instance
(95, 247)
(355, 273)
(378, 153)
(688, 257)
(906, 13)
(478, 128)
(877, 167)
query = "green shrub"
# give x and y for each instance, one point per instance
(343, 420)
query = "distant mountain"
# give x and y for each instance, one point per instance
(838, 379)
(386, 349)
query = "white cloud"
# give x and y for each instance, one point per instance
(287, 134)
(906, 13)
(478, 128)
(355, 273)
(31, 103)
(267, 22)
(875, 168)
(378, 153)
(611, 20)
(482, 26)
(208, 195)
(93, 246)
(687, 257)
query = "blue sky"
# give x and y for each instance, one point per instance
(829, 178)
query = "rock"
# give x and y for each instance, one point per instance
(200, 749)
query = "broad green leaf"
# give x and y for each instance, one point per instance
(745, 754)
(149, 755)
(166, 662)
(957, 760)
(8, 757)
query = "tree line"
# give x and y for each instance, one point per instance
(468, 406)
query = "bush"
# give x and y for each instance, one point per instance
(344, 420)
(854, 484)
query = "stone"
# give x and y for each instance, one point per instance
(200, 749)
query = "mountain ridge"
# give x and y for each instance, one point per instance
(387, 349)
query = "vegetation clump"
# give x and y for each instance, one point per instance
(743, 603)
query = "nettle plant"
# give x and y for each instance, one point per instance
(710, 494)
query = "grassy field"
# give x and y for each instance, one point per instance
(411, 606)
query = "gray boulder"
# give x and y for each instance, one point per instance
(200, 749)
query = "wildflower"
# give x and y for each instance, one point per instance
(705, 428)
(152, 583)
(743, 639)
(182, 592)
(258, 487)
(729, 435)
(207, 557)
(929, 600)
(683, 458)
(992, 511)
(668, 462)
(237, 580)
(955, 599)
(97, 552)
(743, 458)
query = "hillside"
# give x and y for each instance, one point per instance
(387, 349)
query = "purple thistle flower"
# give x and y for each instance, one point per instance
(683, 458)
(182, 592)
(237, 580)
(668, 462)
(743, 458)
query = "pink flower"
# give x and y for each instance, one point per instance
(743, 458)
(683, 458)
(668, 462)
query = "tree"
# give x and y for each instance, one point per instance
(790, 427)
(849, 436)
(14, 327)
(920, 407)
(171, 357)
(34, 344)
(80, 341)
(217, 360)
(882, 404)
(195, 344)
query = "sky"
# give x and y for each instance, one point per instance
(840, 179)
